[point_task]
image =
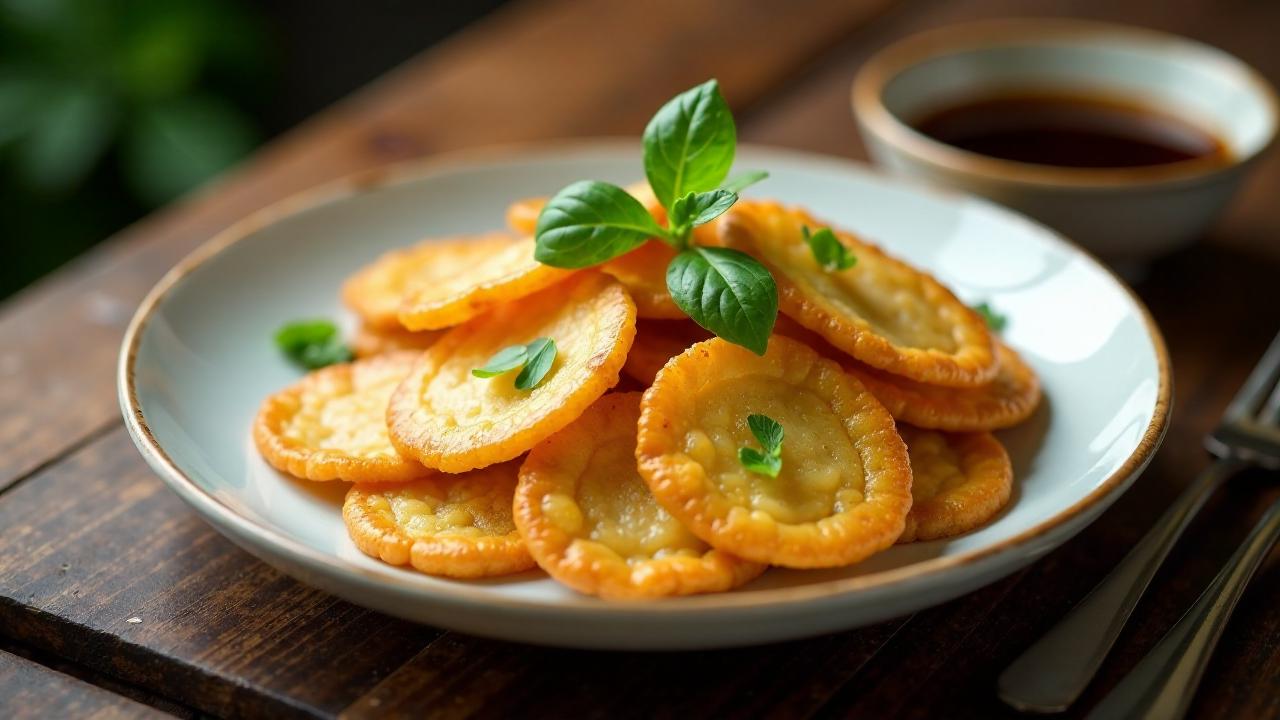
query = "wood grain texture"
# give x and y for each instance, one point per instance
(30, 691)
(533, 70)
(92, 538)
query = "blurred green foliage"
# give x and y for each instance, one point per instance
(111, 107)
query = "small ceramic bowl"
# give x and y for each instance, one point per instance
(1125, 215)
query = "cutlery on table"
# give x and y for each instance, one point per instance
(1052, 673)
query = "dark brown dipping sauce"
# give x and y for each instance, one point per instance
(1070, 131)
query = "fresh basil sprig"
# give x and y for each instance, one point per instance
(827, 249)
(534, 360)
(689, 147)
(769, 434)
(995, 320)
(312, 344)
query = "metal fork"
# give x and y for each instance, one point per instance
(1052, 673)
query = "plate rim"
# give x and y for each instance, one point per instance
(215, 511)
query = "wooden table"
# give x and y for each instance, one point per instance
(116, 600)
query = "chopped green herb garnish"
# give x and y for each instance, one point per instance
(827, 249)
(312, 344)
(534, 360)
(996, 321)
(769, 434)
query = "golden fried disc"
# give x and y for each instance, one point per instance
(644, 272)
(376, 291)
(452, 525)
(657, 341)
(881, 311)
(506, 275)
(332, 425)
(447, 419)
(1004, 402)
(845, 485)
(522, 215)
(961, 480)
(369, 341)
(591, 522)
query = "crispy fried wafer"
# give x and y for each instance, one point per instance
(452, 525)
(447, 419)
(332, 425)
(960, 481)
(503, 276)
(1004, 402)
(522, 215)
(881, 311)
(644, 272)
(657, 341)
(369, 341)
(375, 292)
(845, 483)
(591, 522)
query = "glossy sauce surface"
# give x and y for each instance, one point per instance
(1066, 130)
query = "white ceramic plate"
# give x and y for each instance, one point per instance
(198, 359)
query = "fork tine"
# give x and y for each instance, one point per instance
(1254, 392)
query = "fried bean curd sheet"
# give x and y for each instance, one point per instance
(844, 489)
(1007, 400)
(368, 341)
(590, 521)
(509, 274)
(332, 424)
(657, 341)
(447, 419)
(961, 480)
(457, 526)
(881, 311)
(376, 291)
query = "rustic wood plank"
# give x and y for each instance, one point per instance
(97, 541)
(29, 691)
(531, 70)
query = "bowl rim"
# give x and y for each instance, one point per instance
(867, 95)
(216, 511)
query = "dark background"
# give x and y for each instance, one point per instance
(111, 108)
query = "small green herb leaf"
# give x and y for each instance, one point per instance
(503, 361)
(312, 344)
(757, 462)
(689, 144)
(701, 208)
(996, 321)
(768, 433)
(590, 222)
(727, 292)
(737, 184)
(542, 354)
(827, 249)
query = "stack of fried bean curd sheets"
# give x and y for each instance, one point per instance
(503, 415)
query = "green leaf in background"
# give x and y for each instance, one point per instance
(312, 343)
(503, 361)
(71, 128)
(737, 184)
(590, 222)
(20, 103)
(542, 355)
(727, 292)
(827, 249)
(701, 208)
(689, 144)
(994, 320)
(175, 145)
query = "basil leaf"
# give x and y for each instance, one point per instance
(756, 462)
(503, 361)
(768, 433)
(590, 222)
(995, 320)
(727, 292)
(827, 249)
(689, 144)
(313, 344)
(701, 208)
(737, 184)
(542, 354)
